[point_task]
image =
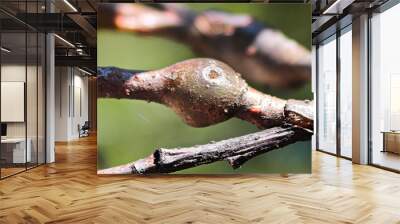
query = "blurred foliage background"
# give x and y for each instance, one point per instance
(130, 129)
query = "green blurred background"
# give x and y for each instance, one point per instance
(130, 129)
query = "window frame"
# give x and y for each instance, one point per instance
(333, 37)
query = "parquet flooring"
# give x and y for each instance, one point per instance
(11, 170)
(69, 191)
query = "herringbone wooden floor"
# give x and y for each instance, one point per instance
(69, 191)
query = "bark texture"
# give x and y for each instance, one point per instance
(236, 151)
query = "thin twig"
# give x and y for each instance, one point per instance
(236, 151)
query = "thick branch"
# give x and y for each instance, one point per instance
(259, 52)
(236, 151)
(204, 92)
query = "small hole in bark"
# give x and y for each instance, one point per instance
(213, 74)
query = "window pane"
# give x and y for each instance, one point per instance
(41, 98)
(13, 86)
(327, 97)
(22, 88)
(346, 94)
(31, 97)
(385, 84)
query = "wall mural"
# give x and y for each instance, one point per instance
(196, 88)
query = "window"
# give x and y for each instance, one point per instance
(327, 96)
(385, 89)
(22, 101)
(346, 92)
(335, 94)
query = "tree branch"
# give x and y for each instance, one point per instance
(236, 151)
(259, 52)
(204, 92)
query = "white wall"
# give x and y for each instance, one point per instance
(62, 81)
(71, 102)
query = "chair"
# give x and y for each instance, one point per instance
(84, 130)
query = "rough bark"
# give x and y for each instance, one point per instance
(204, 92)
(236, 151)
(261, 53)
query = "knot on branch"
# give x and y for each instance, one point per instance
(204, 92)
